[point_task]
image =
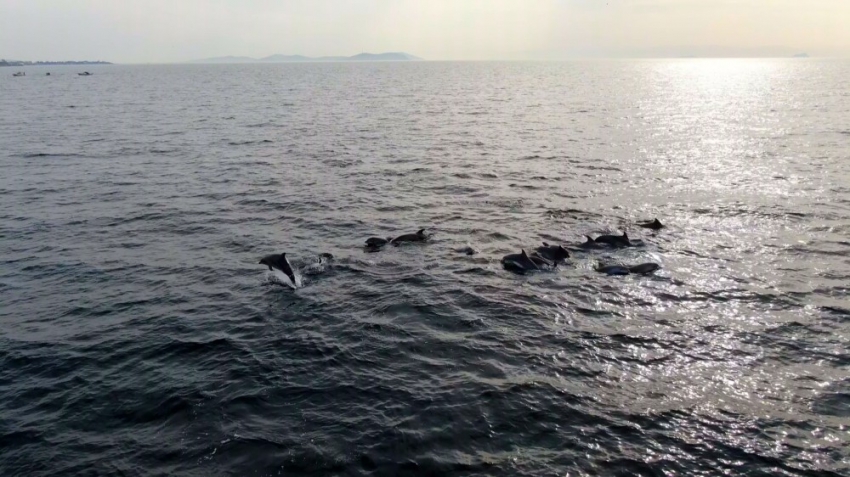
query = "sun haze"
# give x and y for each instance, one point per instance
(135, 31)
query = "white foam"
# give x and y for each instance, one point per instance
(281, 278)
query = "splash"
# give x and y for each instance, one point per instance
(277, 276)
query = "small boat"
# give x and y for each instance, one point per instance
(84, 73)
(19, 73)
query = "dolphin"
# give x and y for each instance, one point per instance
(467, 250)
(541, 261)
(641, 269)
(614, 240)
(590, 243)
(279, 262)
(644, 268)
(519, 262)
(375, 243)
(553, 253)
(417, 237)
(613, 269)
(654, 225)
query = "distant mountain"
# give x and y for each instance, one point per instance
(50, 63)
(284, 58)
(801, 55)
(392, 56)
(395, 56)
(227, 59)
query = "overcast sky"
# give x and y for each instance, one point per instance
(142, 31)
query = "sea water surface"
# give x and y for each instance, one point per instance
(140, 337)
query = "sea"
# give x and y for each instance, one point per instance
(139, 335)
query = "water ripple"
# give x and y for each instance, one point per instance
(141, 337)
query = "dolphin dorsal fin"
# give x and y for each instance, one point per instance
(545, 244)
(523, 253)
(589, 238)
(421, 232)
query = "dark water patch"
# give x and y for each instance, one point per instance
(834, 400)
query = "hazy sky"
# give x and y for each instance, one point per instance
(178, 30)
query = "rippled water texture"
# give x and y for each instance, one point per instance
(139, 336)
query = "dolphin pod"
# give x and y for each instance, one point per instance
(541, 258)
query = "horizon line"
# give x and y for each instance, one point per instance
(517, 60)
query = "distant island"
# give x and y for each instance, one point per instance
(801, 55)
(393, 56)
(50, 63)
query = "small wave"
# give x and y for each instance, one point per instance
(479, 271)
(836, 310)
(50, 154)
(249, 142)
(524, 186)
(342, 163)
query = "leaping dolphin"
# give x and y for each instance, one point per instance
(279, 262)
